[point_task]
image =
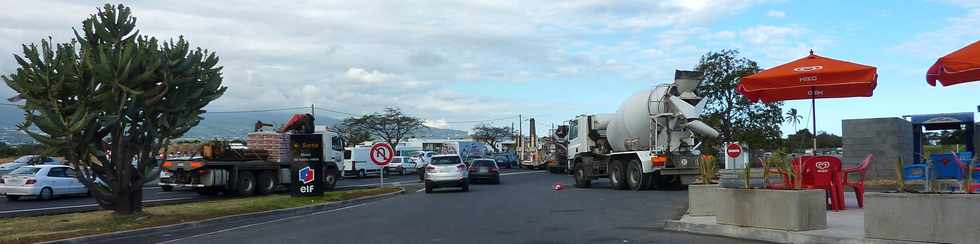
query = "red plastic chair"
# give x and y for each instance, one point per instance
(972, 186)
(823, 172)
(858, 186)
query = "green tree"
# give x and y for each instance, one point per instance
(491, 135)
(351, 135)
(391, 126)
(736, 118)
(111, 98)
(793, 117)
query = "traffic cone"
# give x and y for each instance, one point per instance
(557, 186)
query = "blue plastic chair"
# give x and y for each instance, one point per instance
(945, 167)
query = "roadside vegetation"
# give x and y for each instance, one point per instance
(54, 227)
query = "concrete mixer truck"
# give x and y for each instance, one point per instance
(651, 141)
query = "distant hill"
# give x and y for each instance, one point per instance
(214, 125)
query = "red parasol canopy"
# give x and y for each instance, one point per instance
(810, 77)
(960, 66)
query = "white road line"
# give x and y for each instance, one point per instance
(87, 205)
(420, 190)
(267, 222)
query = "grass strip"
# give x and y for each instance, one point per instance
(55, 227)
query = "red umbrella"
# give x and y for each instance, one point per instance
(810, 77)
(960, 66)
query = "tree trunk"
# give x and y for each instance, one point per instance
(129, 199)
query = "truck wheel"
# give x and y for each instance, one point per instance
(330, 179)
(266, 183)
(246, 184)
(167, 188)
(361, 174)
(617, 175)
(635, 177)
(580, 179)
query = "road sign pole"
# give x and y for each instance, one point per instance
(382, 177)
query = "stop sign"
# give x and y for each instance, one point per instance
(733, 150)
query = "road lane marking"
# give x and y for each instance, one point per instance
(88, 205)
(420, 190)
(268, 222)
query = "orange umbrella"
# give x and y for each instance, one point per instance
(957, 67)
(810, 77)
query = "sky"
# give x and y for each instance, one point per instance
(454, 63)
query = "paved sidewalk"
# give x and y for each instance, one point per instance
(842, 227)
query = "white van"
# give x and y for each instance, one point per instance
(357, 163)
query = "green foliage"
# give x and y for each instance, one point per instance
(708, 168)
(24, 149)
(802, 140)
(492, 135)
(391, 126)
(736, 118)
(113, 90)
(351, 135)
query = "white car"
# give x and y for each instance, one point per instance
(446, 170)
(41, 181)
(403, 165)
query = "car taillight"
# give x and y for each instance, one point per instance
(30, 182)
(167, 164)
(430, 168)
(202, 171)
(461, 167)
(493, 168)
(472, 169)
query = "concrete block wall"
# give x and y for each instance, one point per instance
(886, 138)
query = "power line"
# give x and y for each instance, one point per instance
(335, 111)
(257, 111)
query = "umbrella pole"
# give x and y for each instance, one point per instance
(813, 113)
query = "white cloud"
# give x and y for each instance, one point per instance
(776, 14)
(766, 34)
(336, 53)
(954, 33)
(438, 123)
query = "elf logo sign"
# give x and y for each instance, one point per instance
(307, 175)
(733, 150)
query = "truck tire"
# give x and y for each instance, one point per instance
(361, 174)
(330, 179)
(582, 181)
(617, 175)
(246, 184)
(635, 178)
(266, 183)
(167, 188)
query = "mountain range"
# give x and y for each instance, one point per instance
(214, 125)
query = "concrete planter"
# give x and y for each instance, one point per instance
(943, 218)
(735, 178)
(702, 200)
(793, 210)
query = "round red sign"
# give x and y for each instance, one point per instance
(733, 150)
(382, 153)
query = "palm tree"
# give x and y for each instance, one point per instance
(793, 117)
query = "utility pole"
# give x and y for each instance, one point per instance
(313, 111)
(520, 137)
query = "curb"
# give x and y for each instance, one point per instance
(83, 209)
(769, 235)
(157, 229)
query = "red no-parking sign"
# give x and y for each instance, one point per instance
(382, 153)
(733, 150)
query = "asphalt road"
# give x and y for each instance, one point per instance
(154, 195)
(523, 209)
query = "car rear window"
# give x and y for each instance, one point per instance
(396, 160)
(26, 171)
(483, 163)
(445, 160)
